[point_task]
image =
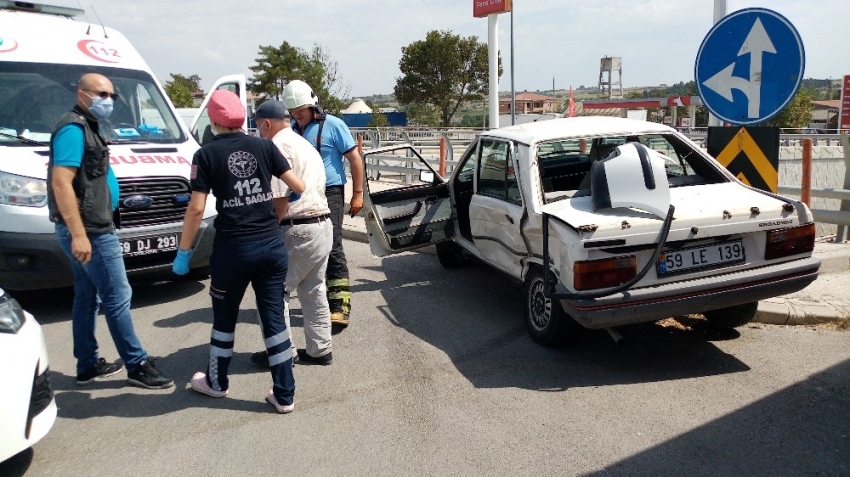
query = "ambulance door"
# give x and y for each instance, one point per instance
(200, 128)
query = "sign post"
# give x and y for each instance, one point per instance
(749, 66)
(491, 9)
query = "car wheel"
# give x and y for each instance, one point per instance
(450, 254)
(547, 322)
(733, 316)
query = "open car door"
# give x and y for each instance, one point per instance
(401, 216)
(200, 127)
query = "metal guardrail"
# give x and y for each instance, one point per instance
(427, 144)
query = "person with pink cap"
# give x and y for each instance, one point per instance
(248, 248)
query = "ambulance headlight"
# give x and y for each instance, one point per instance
(20, 190)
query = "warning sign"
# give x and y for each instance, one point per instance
(751, 153)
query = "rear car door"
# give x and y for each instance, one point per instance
(409, 205)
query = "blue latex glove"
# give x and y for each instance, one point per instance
(293, 197)
(181, 262)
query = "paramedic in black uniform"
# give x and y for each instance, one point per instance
(248, 248)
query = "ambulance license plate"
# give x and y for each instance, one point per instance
(139, 246)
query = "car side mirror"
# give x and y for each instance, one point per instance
(426, 176)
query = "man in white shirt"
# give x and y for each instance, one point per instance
(307, 231)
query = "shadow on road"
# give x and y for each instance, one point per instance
(52, 306)
(476, 319)
(17, 465)
(800, 430)
(76, 402)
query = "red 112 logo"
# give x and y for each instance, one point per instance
(99, 51)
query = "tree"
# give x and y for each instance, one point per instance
(379, 120)
(422, 114)
(474, 121)
(798, 113)
(277, 66)
(180, 89)
(443, 71)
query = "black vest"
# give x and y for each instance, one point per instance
(90, 185)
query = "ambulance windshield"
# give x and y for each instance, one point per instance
(33, 96)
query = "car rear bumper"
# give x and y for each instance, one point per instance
(693, 296)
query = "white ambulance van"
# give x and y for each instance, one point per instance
(43, 52)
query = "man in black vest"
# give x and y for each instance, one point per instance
(82, 193)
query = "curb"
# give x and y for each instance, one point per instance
(784, 311)
(356, 234)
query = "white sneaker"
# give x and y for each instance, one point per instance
(281, 409)
(199, 384)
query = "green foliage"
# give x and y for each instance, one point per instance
(180, 89)
(474, 121)
(379, 120)
(277, 66)
(443, 71)
(423, 114)
(798, 113)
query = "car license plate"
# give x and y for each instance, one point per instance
(136, 247)
(695, 258)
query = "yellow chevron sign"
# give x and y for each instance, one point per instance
(753, 167)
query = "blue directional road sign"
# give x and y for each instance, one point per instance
(749, 66)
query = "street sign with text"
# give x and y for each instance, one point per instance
(749, 66)
(482, 8)
(844, 116)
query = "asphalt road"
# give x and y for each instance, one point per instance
(437, 376)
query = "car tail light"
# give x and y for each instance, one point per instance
(785, 242)
(593, 274)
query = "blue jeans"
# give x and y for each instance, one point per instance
(101, 282)
(233, 265)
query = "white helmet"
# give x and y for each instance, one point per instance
(297, 93)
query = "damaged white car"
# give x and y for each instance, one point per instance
(606, 222)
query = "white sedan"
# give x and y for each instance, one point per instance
(27, 405)
(606, 222)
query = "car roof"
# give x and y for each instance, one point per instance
(584, 126)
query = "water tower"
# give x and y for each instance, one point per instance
(607, 67)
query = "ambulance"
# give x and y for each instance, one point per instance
(44, 50)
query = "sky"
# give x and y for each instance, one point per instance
(560, 41)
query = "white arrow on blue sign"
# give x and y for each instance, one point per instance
(749, 66)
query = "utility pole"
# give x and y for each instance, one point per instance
(719, 13)
(513, 91)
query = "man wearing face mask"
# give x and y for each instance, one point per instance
(82, 193)
(307, 233)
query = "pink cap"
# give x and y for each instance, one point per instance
(226, 109)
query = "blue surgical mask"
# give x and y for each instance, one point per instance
(101, 108)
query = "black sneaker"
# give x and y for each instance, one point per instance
(261, 359)
(101, 370)
(147, 376)
(304, 358)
